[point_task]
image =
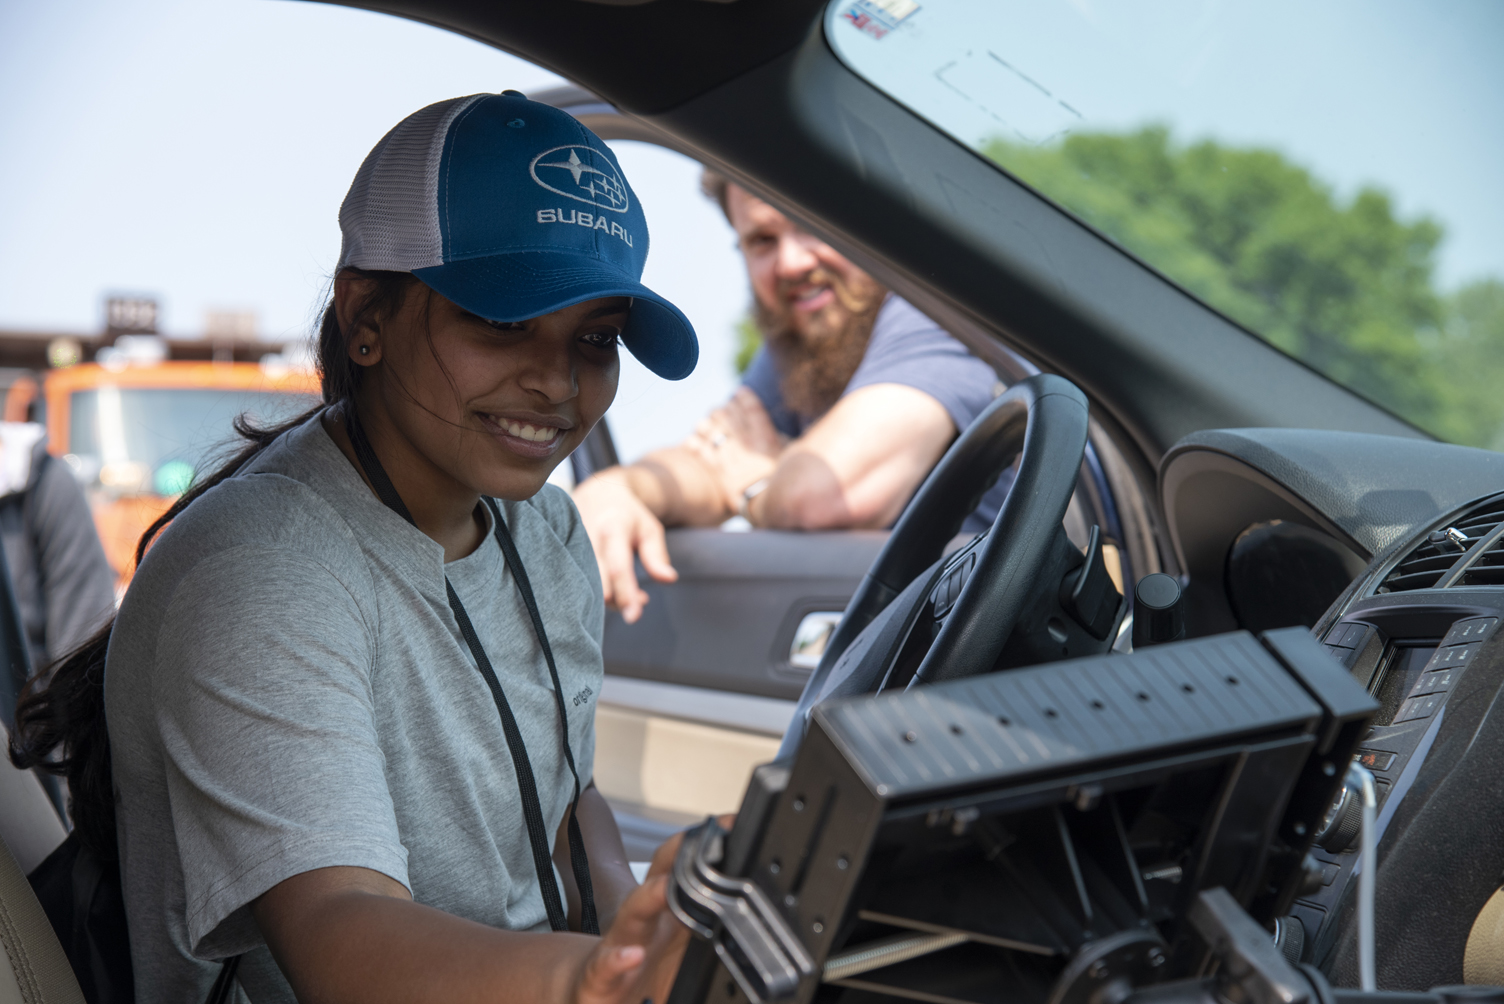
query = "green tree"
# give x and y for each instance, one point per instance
(748, 341)
(1471, 355)
(1343, 285)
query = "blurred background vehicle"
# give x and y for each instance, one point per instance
(137, 416)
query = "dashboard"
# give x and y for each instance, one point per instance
(1393, 552)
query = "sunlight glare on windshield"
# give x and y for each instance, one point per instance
(1324, 175)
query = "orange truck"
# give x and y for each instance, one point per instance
(138, 435)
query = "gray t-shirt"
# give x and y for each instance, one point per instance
(287, 689)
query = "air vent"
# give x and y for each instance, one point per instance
(1424, 566)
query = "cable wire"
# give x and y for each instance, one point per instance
(1361, 779)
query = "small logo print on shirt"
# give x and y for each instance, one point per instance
(583, 696)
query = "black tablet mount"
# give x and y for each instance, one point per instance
(1116, 827)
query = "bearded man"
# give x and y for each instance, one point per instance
(851, 400)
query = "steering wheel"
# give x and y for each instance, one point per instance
(1044, 418)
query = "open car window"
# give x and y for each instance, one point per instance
(1322, 176)
(695, 264)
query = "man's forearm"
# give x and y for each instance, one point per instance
(676, 487)
(803, 493)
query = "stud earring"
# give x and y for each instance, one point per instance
(365, 350)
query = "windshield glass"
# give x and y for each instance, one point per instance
(157, 439)
(1325, 175)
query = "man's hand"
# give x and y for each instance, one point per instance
(622, 528)
(750, 424)
(738, 444)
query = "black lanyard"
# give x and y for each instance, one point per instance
(531, 810)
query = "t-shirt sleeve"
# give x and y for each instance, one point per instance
(910, 349)
(761, 379)
(268, 727)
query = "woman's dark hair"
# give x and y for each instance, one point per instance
(60, 726)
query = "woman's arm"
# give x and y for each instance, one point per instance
(610, 874)
(355, 935)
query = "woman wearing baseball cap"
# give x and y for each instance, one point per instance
(351, 689)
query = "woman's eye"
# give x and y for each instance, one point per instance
(602, 339)
(505, 325)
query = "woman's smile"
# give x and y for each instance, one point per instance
(528, 435)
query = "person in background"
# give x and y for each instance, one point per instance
(63, 585)
(852, 399)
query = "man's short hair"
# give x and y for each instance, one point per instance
(716, 188)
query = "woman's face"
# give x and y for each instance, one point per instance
(493, 406)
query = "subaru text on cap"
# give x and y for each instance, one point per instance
(512, 209)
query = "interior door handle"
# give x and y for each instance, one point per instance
(811, 637)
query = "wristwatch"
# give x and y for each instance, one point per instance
(749, 493)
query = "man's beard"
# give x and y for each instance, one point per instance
(814, 366)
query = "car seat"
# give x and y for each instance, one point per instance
(34, 969)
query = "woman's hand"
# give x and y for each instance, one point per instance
(638, 957)
(345, 934)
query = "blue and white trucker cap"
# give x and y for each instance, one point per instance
(512, 209)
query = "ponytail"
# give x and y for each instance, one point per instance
(60, 724)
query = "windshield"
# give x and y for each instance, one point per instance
(1325, 175)
(157, 439)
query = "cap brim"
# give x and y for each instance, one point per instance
(526, 284)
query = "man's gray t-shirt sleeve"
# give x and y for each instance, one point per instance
(910, 349)
(268, 726)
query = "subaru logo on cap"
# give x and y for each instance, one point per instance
(589, 178)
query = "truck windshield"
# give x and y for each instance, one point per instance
(1325, 175)
(158, 439)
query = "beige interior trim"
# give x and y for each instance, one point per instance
(1483, 959)
(745, 712)
(672, 764)
(36, 970)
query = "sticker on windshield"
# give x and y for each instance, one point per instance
(878, 17)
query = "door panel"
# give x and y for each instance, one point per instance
(729, 621)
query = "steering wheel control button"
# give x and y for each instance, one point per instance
(1433, 683)
(1417, 708)
(948, 589)
(1472, 629)
(1375, 759)
(1158, 610)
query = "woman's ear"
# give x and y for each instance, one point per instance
(362, 334)
(365, 348)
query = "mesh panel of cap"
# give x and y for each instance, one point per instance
(390, 217)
